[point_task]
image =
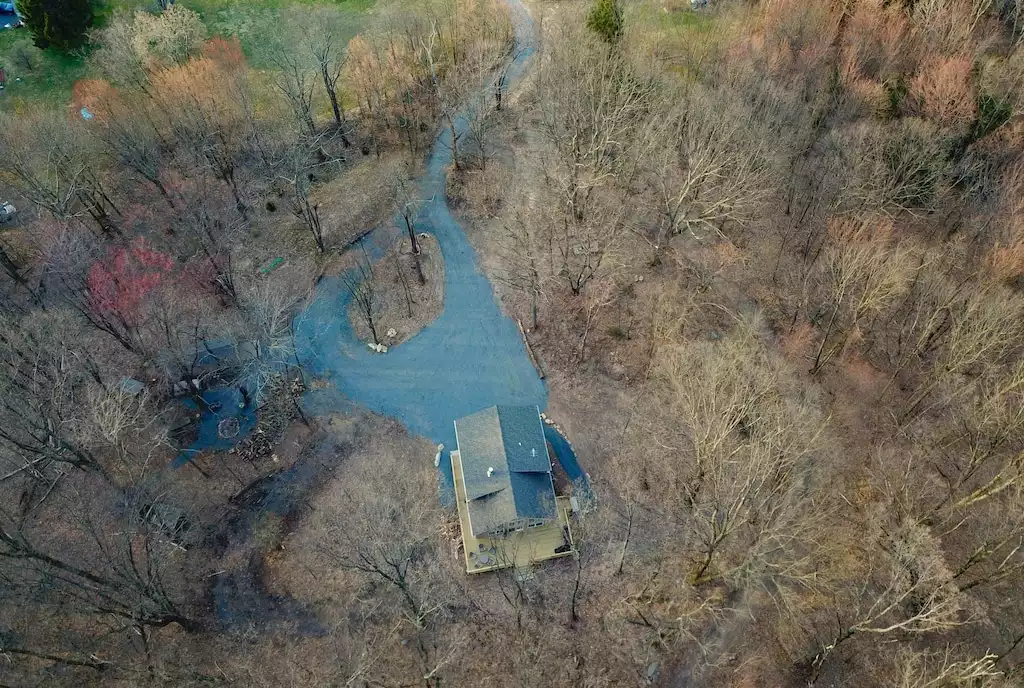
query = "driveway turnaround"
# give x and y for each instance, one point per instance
(471, 357)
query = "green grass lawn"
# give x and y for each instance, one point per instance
(681, 20)
(50, 81)
(252, 21)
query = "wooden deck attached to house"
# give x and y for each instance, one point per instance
(519, 549)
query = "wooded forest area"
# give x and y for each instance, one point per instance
(769, 255)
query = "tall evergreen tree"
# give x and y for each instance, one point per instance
(57, 23)
(605, 19)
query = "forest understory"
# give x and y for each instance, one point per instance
(769, 255)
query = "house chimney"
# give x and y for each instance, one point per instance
(490, 471)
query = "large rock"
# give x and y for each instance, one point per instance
(653, 672)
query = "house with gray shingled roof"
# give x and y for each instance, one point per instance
(506, 470)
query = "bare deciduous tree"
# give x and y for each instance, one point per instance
(728, 461)
(906, 587)
(53, 162)
(714, 165)
(359, 282)
(893, 169)
(322, 38)
(122, 578)
(271, 306)
(39, 377)
(408, 206)
(866, 271)
(945, 668)
(122, 423)
(962, 331)
(296, 79)
(594, 107)
(522, 253)
(390, 538)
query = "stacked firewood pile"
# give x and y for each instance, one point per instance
(274, 417)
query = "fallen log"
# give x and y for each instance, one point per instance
(529, 350)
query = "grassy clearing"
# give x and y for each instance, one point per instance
(252, 22)
(678, 17)
(49, 79)
(51, 76)
(681, 38)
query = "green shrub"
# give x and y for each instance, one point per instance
(992, 113)
(897, 91)
(605, 19)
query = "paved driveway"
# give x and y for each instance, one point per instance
(469, 358)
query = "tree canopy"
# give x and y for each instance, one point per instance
(60, 24)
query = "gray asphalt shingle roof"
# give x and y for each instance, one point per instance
(522, 433)
(505, 465)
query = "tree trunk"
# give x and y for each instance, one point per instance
(298, 409)
(228, 176)
(573, 615)
(411, 228)
(9, 266)
(499, 87)
(191, 462)
(826, 652)
(339, 114)
(415, 248)
(455, 143)
(700, 575)
(332, 93)
(187, 624)
(625, 541)
(400, 272)
(97, 664)
(818, 363)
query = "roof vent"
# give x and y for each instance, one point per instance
(490, 471)
(533, 452)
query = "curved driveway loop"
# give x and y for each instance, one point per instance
(469, 358)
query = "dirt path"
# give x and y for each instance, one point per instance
(266, 510)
